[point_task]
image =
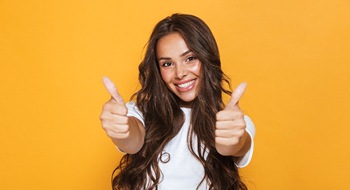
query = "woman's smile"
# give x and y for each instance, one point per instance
(186, 86)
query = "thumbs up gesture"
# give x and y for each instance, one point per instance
(230, 135)
(127, 133)
(113, 117)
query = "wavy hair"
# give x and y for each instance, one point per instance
(163, 117)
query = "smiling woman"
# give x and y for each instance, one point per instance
(179, 67)
(179, 113)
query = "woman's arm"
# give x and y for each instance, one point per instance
(135, 138)
(231, 137)
(127, 133)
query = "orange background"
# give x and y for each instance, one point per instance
(293, 54)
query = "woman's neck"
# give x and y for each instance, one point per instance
(184, 104)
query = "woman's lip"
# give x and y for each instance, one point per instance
(185, 85)
(183, 82)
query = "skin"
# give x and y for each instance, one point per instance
(127, 133)
(180, 70)
(231, 138)
(179, 67)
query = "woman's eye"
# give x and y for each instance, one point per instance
(166, 64)
(191, 58)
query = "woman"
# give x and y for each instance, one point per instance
(179, 134)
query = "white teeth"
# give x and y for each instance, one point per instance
(185, 85)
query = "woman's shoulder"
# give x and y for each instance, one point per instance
(131, 104)
(134, 111)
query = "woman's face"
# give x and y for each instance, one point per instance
(179, 67)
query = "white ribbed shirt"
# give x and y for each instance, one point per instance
(183, 170)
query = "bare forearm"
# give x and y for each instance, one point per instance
(135, 139)
(237, 150)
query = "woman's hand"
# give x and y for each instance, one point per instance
(126, 132)
(231, 137)
(113, 117)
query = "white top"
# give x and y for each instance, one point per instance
(183, 170)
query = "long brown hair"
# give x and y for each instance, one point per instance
(163, 117)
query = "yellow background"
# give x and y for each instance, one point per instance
(293, 54)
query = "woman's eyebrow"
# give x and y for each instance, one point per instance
(185, 53)
(164, 58)
(168, 58)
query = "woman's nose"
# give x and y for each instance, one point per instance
(181, 71)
